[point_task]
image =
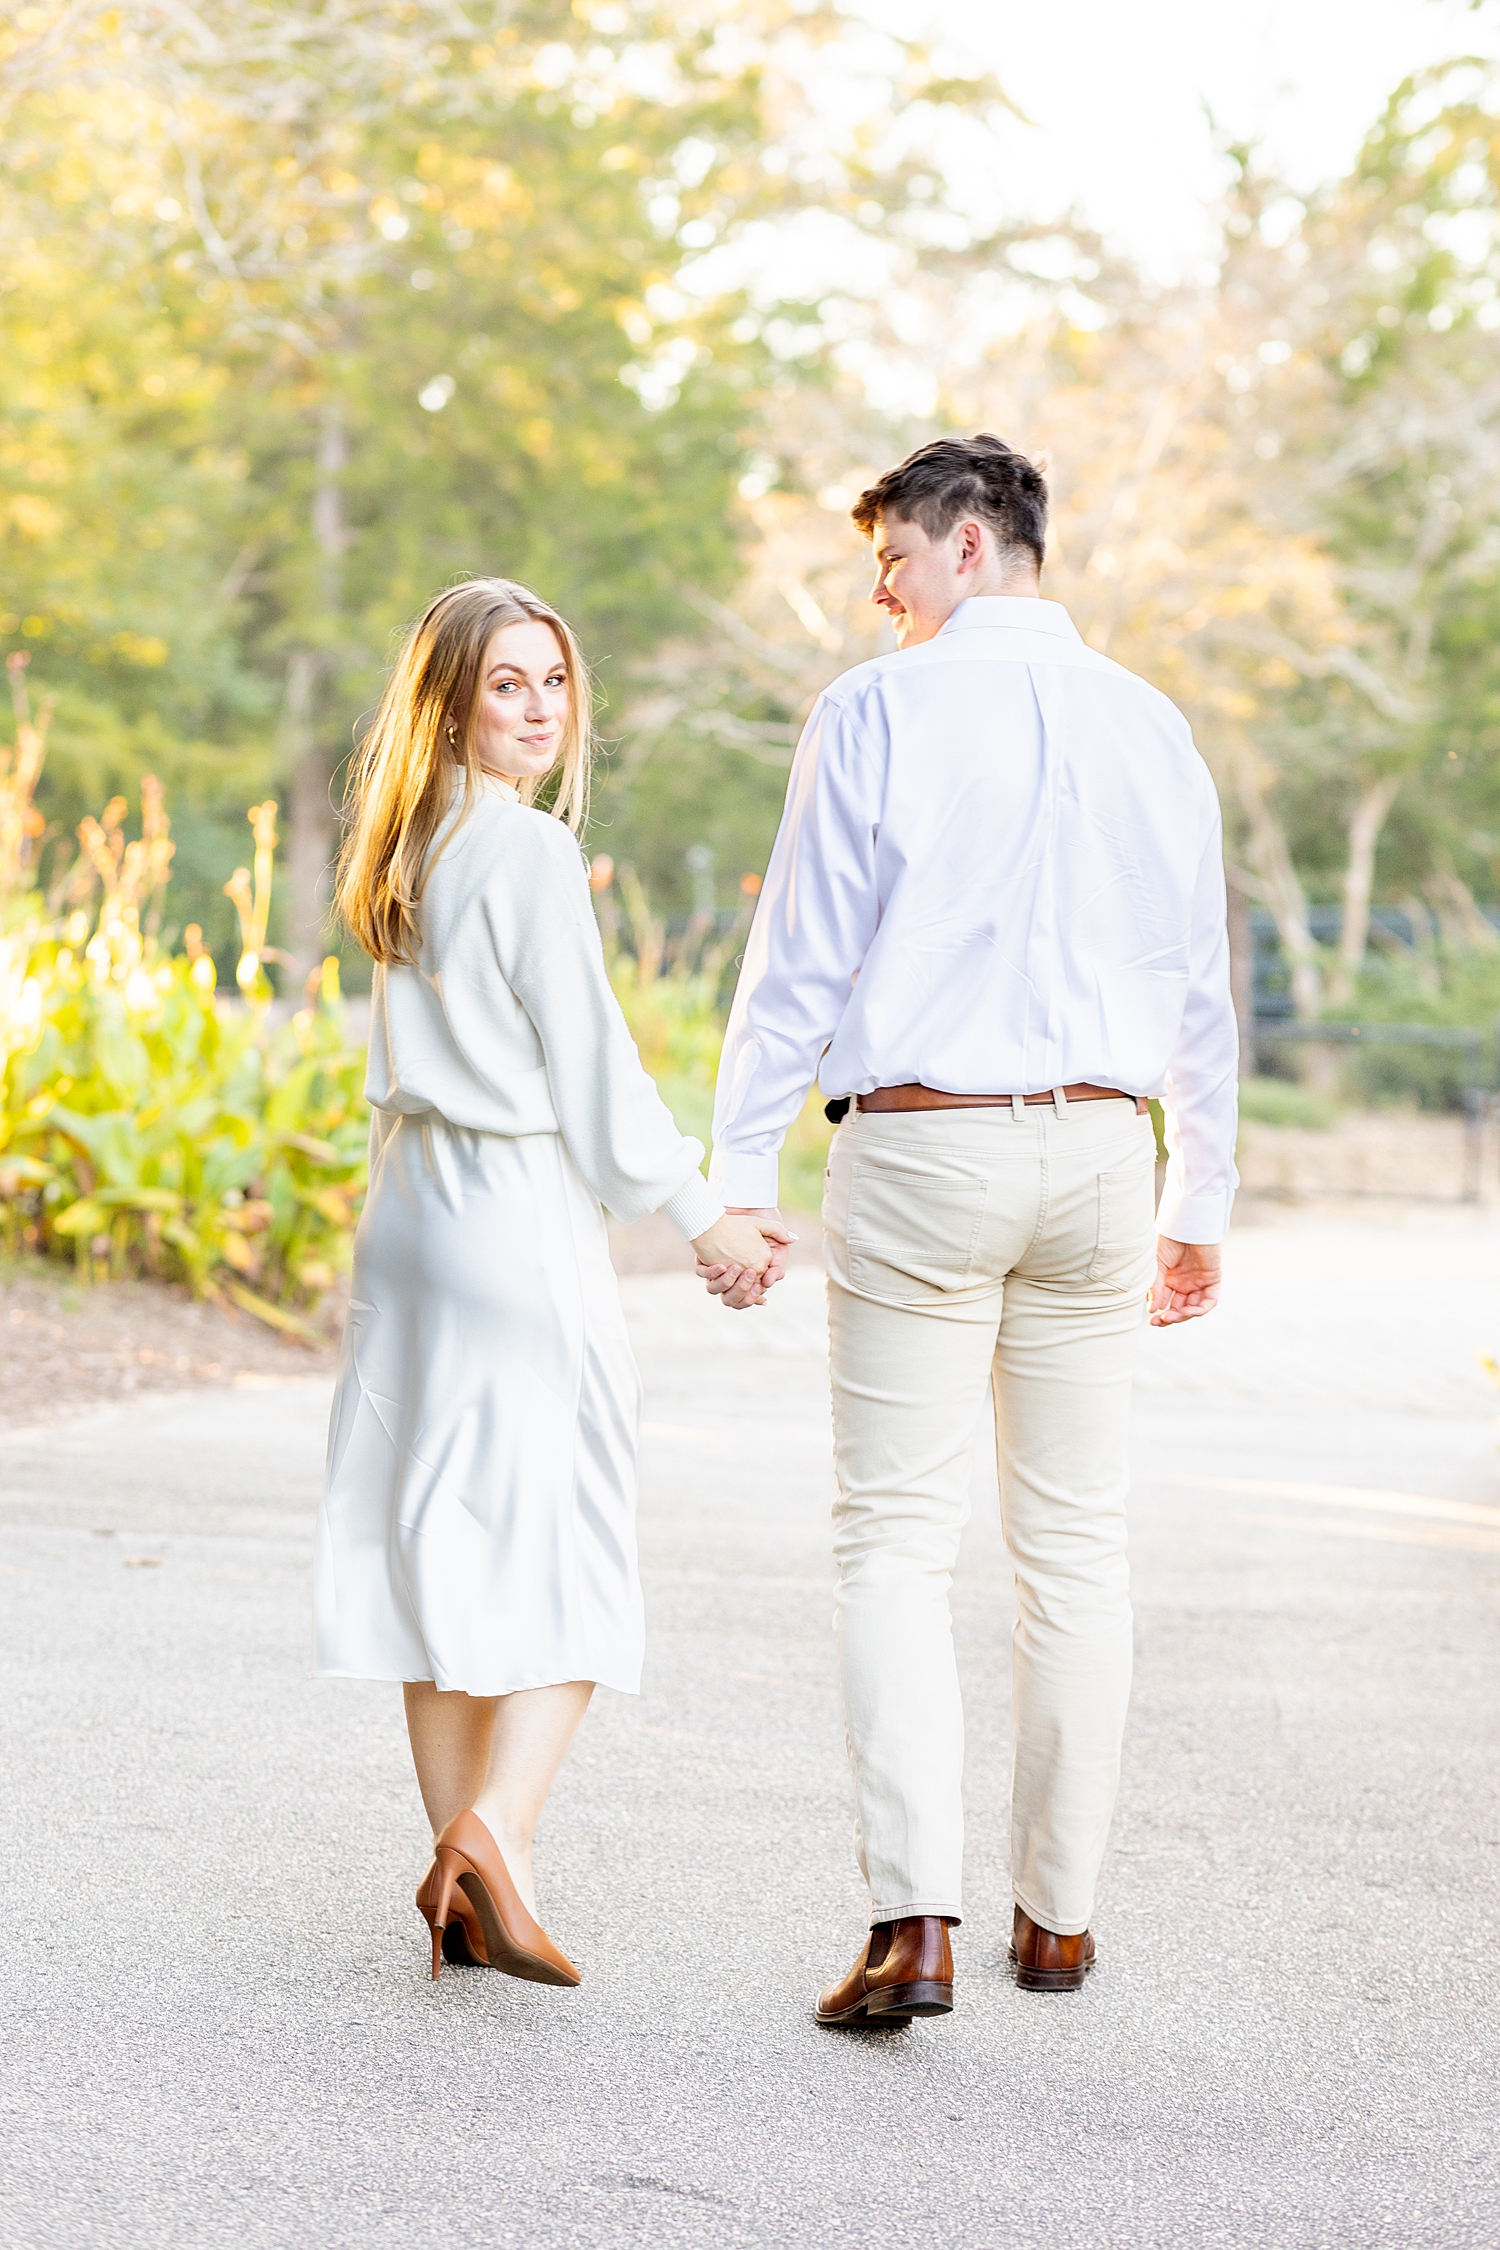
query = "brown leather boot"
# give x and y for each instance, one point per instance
(905, 1970)
(1045, 1962)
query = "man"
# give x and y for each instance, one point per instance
(992, 925)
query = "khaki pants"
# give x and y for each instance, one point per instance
(969, 1248)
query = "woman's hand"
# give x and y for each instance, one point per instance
(733, 1241)
(742, 1255)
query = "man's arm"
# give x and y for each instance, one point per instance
(1201, 1108)
(817, 913)
(1201, 1099)
(814, 921)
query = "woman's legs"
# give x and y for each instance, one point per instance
(450, 1747)
(498, 1754)
(532, 1731)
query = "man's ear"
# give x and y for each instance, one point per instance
(970, 545)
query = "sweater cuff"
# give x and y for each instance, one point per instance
(694, 1208)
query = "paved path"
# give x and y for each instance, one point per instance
(218, 2027)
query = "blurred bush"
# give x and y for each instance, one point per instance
(147, 1124)
(1447, 984)
(673, 993)
(1277, 1101)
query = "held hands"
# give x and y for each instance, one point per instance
(743, 1256)
(1187, 1281)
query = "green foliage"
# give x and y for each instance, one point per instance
(1450, 986)
(675, 1022)
(148, 1129)
(1276, 1101)
(804, 1157)
(1395, 294)
(306, 311)
(283, 354)
(1453, 985)
(146, 1125)
(691, 791)
(678, 1024)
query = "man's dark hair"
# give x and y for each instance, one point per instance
(955, 477)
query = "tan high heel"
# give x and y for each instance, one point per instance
(467, 1862)
(462, 1941)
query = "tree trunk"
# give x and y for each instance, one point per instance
(1286, 902)
(1242, 964)
(1463, 927)
(1282, 891)
(311, 826)
(1365, 824)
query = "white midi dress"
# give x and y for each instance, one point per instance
(478, 1521)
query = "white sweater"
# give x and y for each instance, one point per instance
(507, 1024)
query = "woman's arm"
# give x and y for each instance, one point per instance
(618, 1129)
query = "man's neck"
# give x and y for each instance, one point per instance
(1012, 588)
(1009, 583)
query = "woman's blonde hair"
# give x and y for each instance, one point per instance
(402, 779)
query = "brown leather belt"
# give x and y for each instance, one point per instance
(925, 1097)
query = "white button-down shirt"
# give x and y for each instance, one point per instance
(999, 870)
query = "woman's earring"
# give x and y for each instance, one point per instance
(452, 733)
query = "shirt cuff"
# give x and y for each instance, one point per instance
(1194, 1218)
(747, 1183)
(694, 1208)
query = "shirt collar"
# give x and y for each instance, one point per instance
(1020, 610)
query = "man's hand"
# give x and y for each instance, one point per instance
(1187, 1281)
(741, 1282)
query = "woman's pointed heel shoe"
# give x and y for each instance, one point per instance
(456, 1934)
(473, 1881)
(440, 1928)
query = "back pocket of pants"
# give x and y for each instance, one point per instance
(909, 1233)
(1127, 1226)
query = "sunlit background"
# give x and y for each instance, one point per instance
(308, 308)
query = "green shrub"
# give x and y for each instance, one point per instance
(675, 1017)
(147, 1124)
(1277, 1101)
(1454, 987)
(148, 1127)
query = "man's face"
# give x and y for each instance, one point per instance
(920, 581)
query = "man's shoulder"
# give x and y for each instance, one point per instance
(851, 687)
(1117, 679)
(867, 684)
(864, 686)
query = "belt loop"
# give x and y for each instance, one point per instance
(1018, 1108)
(1059, 1101)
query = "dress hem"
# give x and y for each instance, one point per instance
(513, 1687)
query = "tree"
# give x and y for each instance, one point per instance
(400, 284)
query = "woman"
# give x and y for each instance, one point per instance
(477, 1534)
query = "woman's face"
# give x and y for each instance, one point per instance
(523, 701)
